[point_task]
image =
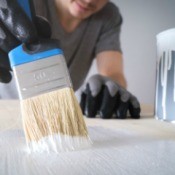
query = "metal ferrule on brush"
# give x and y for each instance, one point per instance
(41, 73)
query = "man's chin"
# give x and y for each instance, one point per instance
(80, 16)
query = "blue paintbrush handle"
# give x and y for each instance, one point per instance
(18, 56)
(26, 5)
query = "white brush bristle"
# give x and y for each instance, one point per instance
(53, 122)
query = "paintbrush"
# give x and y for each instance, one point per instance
(52, 117)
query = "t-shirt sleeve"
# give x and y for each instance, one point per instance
(109, 38)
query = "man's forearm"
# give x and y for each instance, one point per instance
(110, 64)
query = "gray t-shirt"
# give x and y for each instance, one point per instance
(98, 33)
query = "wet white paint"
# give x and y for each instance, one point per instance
(164, 75)
(59, 143)
(165, 45)
(119, 152)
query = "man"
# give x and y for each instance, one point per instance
(86, 29)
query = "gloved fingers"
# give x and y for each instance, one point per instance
(121, 110)
(93, 92)
(7, 40)
(95, 84)
(4, 60)
(43, 27)
(122, 104)
(108, 101)
(134, 107)
(92, 103)
(17, 22)
(5, 75)
(83, 102)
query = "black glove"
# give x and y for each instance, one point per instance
(105, 97)
(17, 28)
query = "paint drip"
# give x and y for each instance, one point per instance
(165, 87)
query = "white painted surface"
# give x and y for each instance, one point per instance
(113, 153)
(121, 147)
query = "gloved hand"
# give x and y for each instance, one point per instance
(17, 28)
(105, 97)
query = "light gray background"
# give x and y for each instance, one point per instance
(143, 20)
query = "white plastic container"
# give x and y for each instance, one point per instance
(165, 87)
